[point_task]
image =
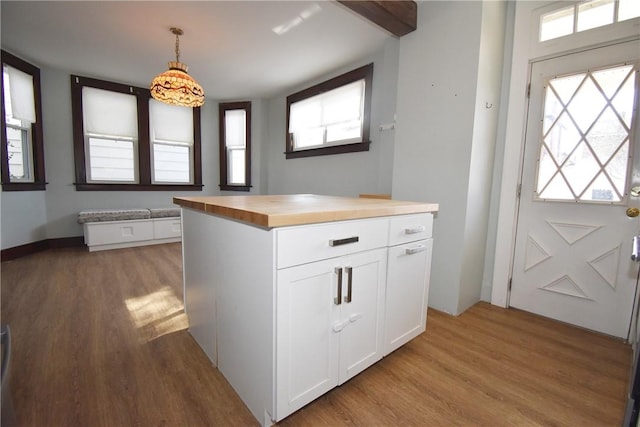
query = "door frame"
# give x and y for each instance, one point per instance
(525, 51)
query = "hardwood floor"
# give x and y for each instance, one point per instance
(99, 339)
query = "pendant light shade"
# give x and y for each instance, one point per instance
(175, 86)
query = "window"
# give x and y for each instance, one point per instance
(22, 142)
(586, 15)
(331, 117)
(172, 142)
(125, 140)
(586, 146)
(235, 146)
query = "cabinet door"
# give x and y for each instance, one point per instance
(306, 344)
(361, 318)
(407, 292)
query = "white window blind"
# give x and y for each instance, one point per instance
(332, 117)
(22, 98)
(170, 123)
(111, 134)
(108, 113)
(235, 128)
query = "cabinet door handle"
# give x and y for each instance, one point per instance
(338, 300)
(414, 230)
(419, 248)
(346, 241)
(347, 299)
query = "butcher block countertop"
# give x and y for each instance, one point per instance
(299, 209)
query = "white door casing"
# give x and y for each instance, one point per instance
(571, 259)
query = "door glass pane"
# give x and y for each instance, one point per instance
(580, 168)
(585, 149)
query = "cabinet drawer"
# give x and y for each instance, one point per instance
(166, 228)
(117, 232)
(300, 245)
(409, 228)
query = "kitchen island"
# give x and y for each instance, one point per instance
(291, 296)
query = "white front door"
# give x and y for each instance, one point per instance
(573, 239)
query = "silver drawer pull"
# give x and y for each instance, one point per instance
(414, 230)
(419, 248)
(348, 298)
(338, 299)
(346, 241)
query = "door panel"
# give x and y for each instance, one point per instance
(572, 254)
(307, 348)
(361, 338)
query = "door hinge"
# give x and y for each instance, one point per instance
(510, 282)
(519, 191)
(528, 90)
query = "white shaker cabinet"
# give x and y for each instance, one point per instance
(328, 326)
(408, 271)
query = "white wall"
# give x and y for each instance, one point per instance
(442, 154)
(341, 174)
(492, 240)
(482, 151)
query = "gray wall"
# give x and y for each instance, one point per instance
(23, 216)
(344, 174)
(445, 137)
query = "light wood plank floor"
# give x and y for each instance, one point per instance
(99, 340)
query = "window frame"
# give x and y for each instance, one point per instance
(37, 141)
(224, 160)
(143, 154)
(365, 72)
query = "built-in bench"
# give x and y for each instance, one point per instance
(125, 228)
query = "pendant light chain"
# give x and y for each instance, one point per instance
(177, 47)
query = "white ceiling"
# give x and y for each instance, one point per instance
(229, 46)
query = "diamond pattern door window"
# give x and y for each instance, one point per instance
(586, 137)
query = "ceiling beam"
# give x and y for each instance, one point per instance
(398, 17)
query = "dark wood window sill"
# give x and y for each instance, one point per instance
(235, 187)
(324, 151)
(24, 186)
(138, 187)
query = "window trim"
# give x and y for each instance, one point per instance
(144, 141)
(224, 161)
(37, 141)
(365, 72)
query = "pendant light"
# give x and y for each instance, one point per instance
(175, 86)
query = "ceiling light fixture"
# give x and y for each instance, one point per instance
(175, 86)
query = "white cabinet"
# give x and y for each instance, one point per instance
(407, 293)
(328, 325)
(263, 302)
(408, 271)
